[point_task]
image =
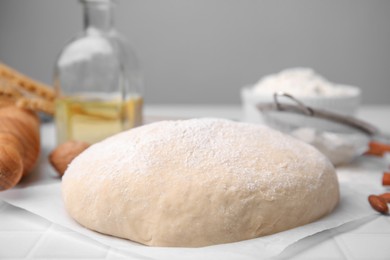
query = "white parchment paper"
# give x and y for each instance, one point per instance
(45, 200)
(40, 194)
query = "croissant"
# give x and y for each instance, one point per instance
(19, 144)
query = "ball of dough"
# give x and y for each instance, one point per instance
(198, 182)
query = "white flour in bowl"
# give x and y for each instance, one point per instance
(300, 82)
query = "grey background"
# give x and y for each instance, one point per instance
(204, 51)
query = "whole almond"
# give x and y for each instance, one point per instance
(386, 179)
(386, 197)
(378, 203)
(63, 155)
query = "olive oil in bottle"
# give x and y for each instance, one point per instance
(94, 120)
(97, 80)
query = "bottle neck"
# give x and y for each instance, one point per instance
(98, 15)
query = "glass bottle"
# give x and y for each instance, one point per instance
(97, 80)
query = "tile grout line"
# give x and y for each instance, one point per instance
(340, 247)
(39, 241)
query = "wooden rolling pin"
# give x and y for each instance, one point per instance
(19, 144)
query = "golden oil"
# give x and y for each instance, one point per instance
(93, 120)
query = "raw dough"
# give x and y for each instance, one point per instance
(198, 182)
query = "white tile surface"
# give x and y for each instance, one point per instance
(369, 240)
(365, 246)
(17, 244)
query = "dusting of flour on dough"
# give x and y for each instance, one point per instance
(204, 143)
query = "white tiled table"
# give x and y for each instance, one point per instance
(24, 235)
